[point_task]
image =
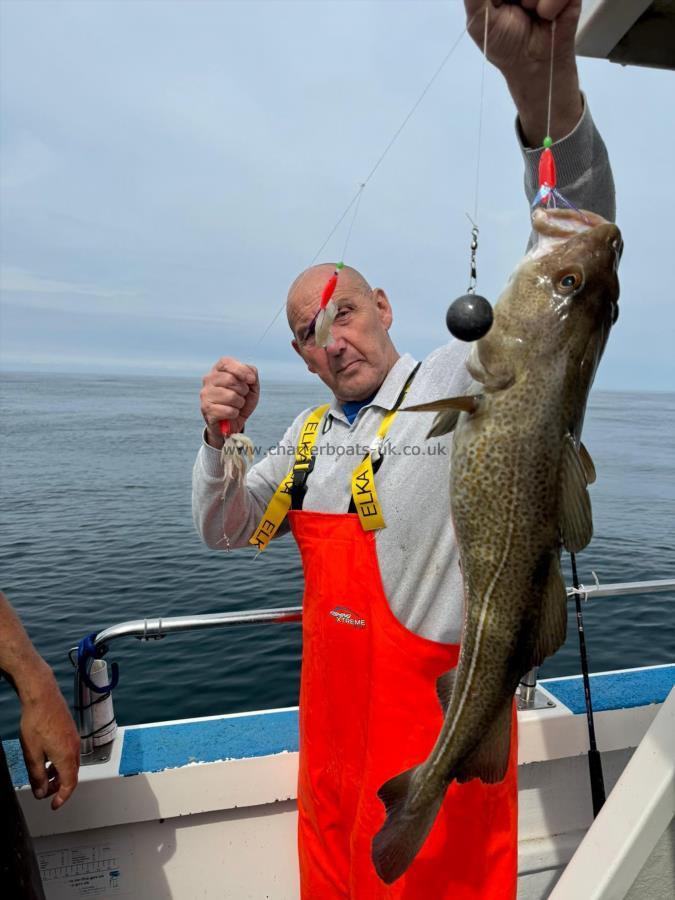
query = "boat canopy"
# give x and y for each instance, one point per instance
(632, 32)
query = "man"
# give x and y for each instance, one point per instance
(51, 751)
(383, 606)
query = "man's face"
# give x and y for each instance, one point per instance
(358, 360)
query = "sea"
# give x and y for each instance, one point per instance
(96, 529)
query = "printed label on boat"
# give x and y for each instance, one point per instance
(87, 870)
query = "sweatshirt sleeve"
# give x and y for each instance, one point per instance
(226, 513)
(582, 165)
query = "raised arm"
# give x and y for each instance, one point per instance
(519, 45)
(227, 511)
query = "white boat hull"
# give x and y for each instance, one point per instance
(206, 808)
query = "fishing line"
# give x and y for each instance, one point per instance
(550, 79)
(480, 115)
(548, 193)
(356, 199)
(470, 316)
(551, 196)
(351, 226)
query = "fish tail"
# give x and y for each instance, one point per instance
(405, 830)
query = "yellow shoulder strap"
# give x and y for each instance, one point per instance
(280, 503)
(364, 493)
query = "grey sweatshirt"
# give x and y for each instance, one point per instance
(417, 551)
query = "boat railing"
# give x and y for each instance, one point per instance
(527, 695)
(93, 693)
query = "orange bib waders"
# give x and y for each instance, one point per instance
(369, 710)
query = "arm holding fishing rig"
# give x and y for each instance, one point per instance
(538, 62)
(230, 392)
(226, 507)
(49, 739)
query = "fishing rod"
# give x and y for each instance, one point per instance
(598, 795)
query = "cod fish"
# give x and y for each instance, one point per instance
(518, 488)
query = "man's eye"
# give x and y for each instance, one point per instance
(308, 336)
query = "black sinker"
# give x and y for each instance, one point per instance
(469, 317)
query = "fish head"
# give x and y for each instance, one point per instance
(559, 305)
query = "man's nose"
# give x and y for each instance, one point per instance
(336, 347)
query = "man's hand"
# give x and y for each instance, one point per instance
(230, 391)
(49, 739)
(519, 45)
(519, 34)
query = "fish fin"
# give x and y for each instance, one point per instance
(490, 760)
(445, 684)
(400, 839)
(444, 423)
(467, 403)
(553, 618)
(587, 463)
(448, 412)
(576, 519)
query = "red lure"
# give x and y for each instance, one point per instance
(547, 174)
(548, 179)
(329, 290)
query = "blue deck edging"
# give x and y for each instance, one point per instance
(158, 747)
(616, 690)
(17, 769)
(162, 747)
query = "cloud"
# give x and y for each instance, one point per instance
(18, 281)
(169, 168)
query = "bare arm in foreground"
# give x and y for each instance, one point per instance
(49, 739)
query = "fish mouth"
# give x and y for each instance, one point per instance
(607, 238)
(556, 227)
(614, 240)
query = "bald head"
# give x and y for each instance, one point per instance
(308, 287)
(357, 359)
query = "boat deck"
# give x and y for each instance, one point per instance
(190, 808)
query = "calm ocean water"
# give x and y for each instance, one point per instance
(96, 529)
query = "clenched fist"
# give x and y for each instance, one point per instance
(230, 392)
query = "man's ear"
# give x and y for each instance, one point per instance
(384, 309)
(296, 347)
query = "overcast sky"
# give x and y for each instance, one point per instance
(169, 167)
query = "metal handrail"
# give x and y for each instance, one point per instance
(621, 588)
(157, 628)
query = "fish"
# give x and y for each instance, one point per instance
(519, 480)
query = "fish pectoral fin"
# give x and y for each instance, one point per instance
(576, 518)
(400, 839)
(448, 412)
(445, 684)
(467, 403)
(587, 463)
(553, 618)
(490, 760)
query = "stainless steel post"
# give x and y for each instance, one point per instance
(528, 689)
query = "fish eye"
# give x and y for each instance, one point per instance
(570, 282)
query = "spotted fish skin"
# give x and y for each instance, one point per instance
(518, 488)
